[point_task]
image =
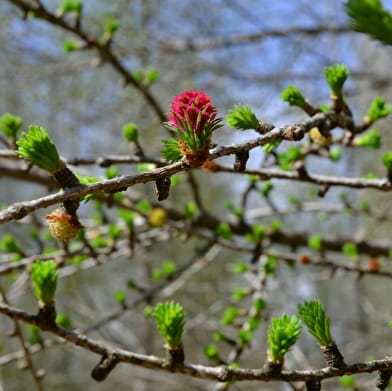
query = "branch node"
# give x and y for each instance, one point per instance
(101, 371)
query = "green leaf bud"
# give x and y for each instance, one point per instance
(211, 352)
(335, 154)
(120, 297)
(371, 139)
(152, 75)
(130, 132)
(9, 245)
(70, 46)
(44, 276)
(242, 117)
(37, 147)
(10, 124)
(223, 230)
(229, 316)
(282, 335)
(350, 250)
(170, 320)
(313, 316)
(387, 160)
(378, 109)
(315, 242)
(336, 75)
(293, 96)
(111, 26)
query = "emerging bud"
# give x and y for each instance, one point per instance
(62, 225)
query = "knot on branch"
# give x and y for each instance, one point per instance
(294, 132)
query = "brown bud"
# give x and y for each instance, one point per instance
(62, 225)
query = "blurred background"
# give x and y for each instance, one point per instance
(244, 51)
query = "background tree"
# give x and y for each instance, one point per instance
(292, 200)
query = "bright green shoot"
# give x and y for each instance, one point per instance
(170, 320)
(313, 316)
(282, 335)
(37, 147)
(44, 275)
(336, 76)
(242, 117)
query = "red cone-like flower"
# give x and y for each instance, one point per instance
(192, 110)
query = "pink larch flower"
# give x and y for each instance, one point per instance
(192, 111)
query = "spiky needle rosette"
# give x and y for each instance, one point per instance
(192, 119)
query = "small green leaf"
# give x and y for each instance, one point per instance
(111, 26)
(289, 157)
(144, 206)
(211, 352)
(63, 321)
(190, 210)
(120, 297)
(271, 146)
(315, 242)
(70, 46)
(33, 334)
(229, 316)
(335, 154)
(223, 230)
(350, 250)
(241, 267)
(245, 337)
(239, 294)
(111, 172)
(347, 381)
(259, 305)
(152, 75)
(267, 188)
(387, 160)
(9, 245)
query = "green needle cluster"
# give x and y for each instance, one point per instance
(171, 152)
(371, 139)
(170, 320)
(242, 117)
(293, 96)
(336, 75)
(378, 109)
(370, 17)
(37, 147)
(282, 335)
(10, 124)
(313, 316)
(44, 276)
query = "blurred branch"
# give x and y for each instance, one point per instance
(242, 39)
(104, 50)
